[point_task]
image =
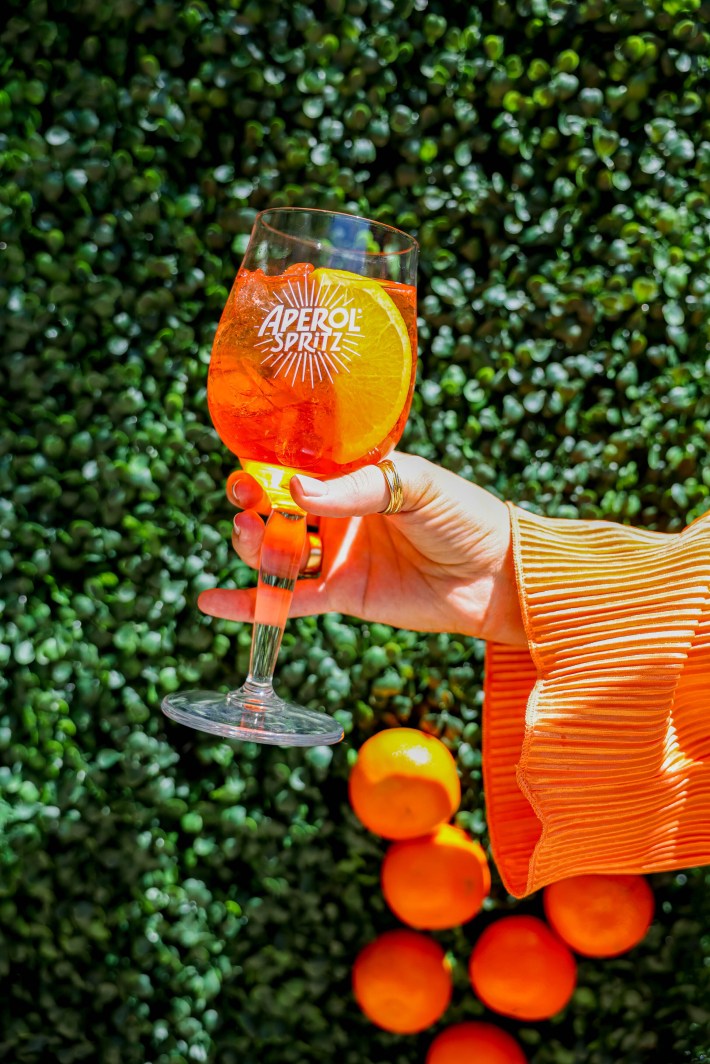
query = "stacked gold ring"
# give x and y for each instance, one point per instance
(315, 555)
(389, 472)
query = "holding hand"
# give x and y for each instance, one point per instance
(443, 563)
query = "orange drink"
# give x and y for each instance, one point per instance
(313, 370)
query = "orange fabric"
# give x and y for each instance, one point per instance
(596, 741)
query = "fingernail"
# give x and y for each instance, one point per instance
(236, 495)
(311, 487)
(236, 530)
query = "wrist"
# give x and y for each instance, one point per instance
(503, 621)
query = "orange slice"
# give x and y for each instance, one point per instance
(373, 365)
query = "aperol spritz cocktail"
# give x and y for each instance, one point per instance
(312, 371)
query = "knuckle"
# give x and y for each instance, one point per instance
(362, 480)
(418, 476)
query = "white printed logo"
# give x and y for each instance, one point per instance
(312, 333)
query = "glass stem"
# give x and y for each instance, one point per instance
(281, 556)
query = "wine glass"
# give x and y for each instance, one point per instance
(312, 371)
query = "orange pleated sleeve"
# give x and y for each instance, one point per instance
(596, 739)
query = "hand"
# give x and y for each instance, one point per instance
(443, 564)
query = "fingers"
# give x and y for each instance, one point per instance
(228, 604)
(248, 535)
(246, 493)
(309, 598)
(365, 491)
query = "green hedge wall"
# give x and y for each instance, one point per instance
(165, 897)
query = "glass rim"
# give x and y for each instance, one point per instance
(414, 244)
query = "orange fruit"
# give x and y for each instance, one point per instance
(436, 881)
(372, 371)
(475, 1043)
(519, 968)
(402, 981)
(404, 784)
(600, 915)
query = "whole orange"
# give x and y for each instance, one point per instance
(436, 881)
(402, 981)
(600, 915)
(404, 784)
(519, 968)
(482, 1043)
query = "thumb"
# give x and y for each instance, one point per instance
(365, 491)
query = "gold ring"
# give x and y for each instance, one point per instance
(389, 472)
(315, 555)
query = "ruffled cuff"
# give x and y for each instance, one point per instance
(597, 738)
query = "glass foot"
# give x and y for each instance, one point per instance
(252, 716)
